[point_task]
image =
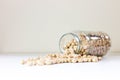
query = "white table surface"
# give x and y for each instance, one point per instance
(11, 69)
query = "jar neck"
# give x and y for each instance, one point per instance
(67, 38)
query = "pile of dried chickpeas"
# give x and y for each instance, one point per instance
(58, 58)
(92, 48)
(69, 56)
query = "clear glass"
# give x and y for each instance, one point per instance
(85, 42)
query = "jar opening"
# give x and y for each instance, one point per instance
(67, 39)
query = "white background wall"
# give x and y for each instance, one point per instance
(36, 25)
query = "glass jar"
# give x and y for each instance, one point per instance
(84, 42)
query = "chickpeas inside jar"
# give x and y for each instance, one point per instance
(83, 42)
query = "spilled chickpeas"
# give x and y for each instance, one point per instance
(86, 47)
(57, 58)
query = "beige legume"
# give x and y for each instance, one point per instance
(60, 58)
(72, 55)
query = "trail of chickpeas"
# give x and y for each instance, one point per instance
(58, 58)
(91, 50)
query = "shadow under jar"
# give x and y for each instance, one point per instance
(84, 42)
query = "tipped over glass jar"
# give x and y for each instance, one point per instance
(85, 42)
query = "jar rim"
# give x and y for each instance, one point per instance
(74, 37)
